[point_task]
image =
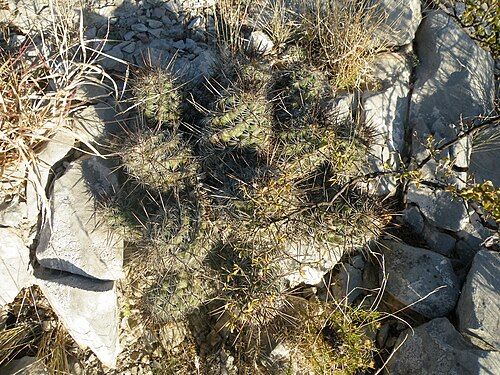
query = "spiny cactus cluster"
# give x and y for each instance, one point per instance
(157, 95)
(159, 160)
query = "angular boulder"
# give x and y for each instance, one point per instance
(15, 270)
(478, 309)
(75, 238)
(436, 348)
(400, 20)
(439, 207)
(485, 156)
(88, 309)
(454, 79)
(385, 112)
(420, 278)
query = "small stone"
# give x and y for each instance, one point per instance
(190, 45)
(129, 48)
(159, 12)
(260, 43)
(129, 35)
(179, 44)
(155, 24)
(140, 27)
(157, 33)
(195, 23)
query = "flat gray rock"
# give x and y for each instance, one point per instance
(416, 274)
(436, 348)
(385, 112)
(74, 238)
(485, 157)
(15, 271)
(439, 207)
(454, 79)
(88, 309)
(478, 308)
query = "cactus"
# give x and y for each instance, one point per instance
(240, 119)
(299, 93)
(161, 161)
(174, 296)
(157, 96)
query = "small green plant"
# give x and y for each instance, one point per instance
(482, 18)
(157, 95)
(485, 194)
(159, 160)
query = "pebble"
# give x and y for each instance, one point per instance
(195, 23)
(155, 24)
(129, 35)
(129, 48)
(179, 44)
(156, 32)
(140, 27)
(159, 12)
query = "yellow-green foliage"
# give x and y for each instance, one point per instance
(161, 161)
(157, 96)
(483, 18)
(485, 194)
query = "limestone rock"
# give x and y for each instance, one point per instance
(439, 207)
(260, 43)
(385, 112)
(347, 283)
(308, 262)
(15, 271)
(478, 308)
(401, 20)
(485, 156)
(88, 309)
(25, 366)
(12, 212)
(74, 238)
(55, 150)
(454, 79)
(415, 273)
(436, 348)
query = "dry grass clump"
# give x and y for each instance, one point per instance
(339, 36)
(38, 94)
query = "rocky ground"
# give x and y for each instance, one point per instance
(432, 273)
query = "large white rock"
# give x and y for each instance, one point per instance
(74, 238)
(420, 278)
(385, 112)
(400, 20)
(15, 271)
(88, 309)
(454, 79)
(436, 348)
(478, 308)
